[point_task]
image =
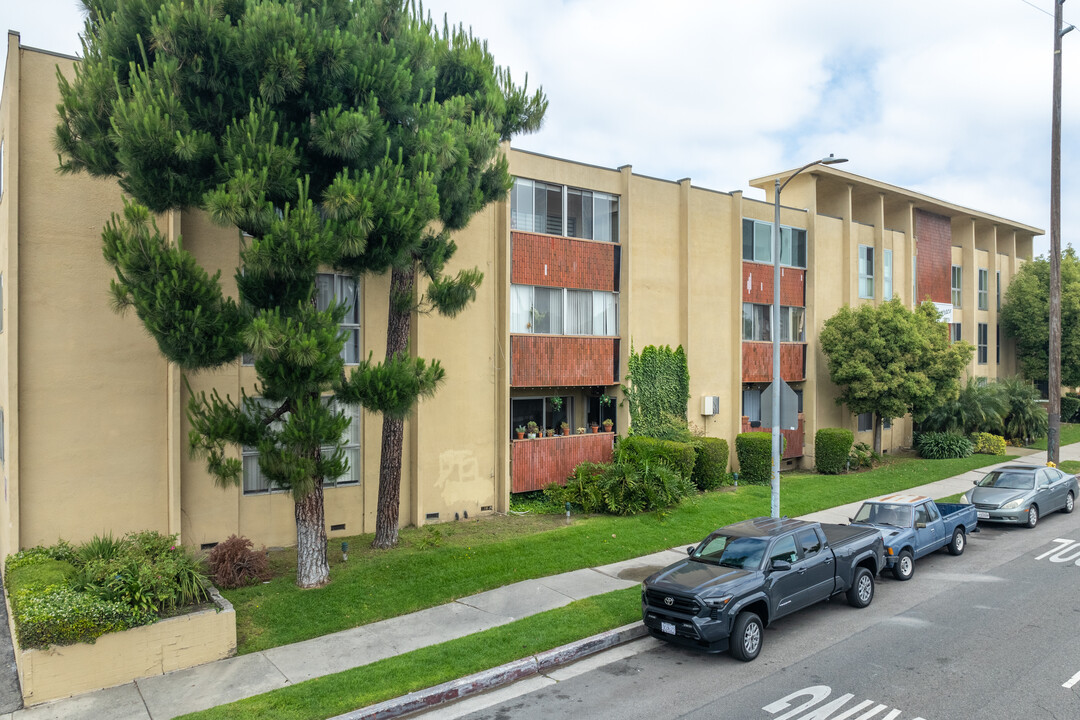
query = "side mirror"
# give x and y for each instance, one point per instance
(781, 565)
(974, 482)
(920, 525)
(690, 550)
(850, 520)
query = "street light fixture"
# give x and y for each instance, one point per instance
(831, 160)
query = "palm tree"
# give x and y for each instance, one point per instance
(980, 407)
(1026, 417)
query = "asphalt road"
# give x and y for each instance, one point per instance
(990, 634)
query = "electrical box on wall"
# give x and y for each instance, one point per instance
(710, 405)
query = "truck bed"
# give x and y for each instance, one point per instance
(841, 535)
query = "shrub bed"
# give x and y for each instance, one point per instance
(1070, 406)
(942, 445)
(831, 449)
(62, 594)
(988, 444)
(679, 456)
(710, 468)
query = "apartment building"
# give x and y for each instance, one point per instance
(581, 263)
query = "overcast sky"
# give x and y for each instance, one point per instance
(946, 97)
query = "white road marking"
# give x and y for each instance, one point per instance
(1071, 681)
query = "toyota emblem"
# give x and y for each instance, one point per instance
(669, 600)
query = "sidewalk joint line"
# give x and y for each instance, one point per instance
(143, 699)
(266, 657)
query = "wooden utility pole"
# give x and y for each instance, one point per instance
(1053, 432)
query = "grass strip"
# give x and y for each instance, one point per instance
(396, 676)
(436, 569)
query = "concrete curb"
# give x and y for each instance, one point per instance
(497, 677)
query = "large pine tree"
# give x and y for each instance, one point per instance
(344, 134)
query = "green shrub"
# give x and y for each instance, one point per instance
(832, 446)
(62, 550)
(40, 575)
(988, 444)
(710, 468)
(680, 456)
(63, 616)
(1069, 408)
(863, 456)
(754, 450)
(942, 445)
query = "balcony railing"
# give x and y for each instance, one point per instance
(535, 464)
(563, 360)
(794, 445)
(757, 361)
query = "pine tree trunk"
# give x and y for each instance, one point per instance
(312, 568)
(393, 433)
(877, 433)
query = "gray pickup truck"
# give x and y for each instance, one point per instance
(746, 575)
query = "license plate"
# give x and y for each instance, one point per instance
(983, 515)
(667, 627)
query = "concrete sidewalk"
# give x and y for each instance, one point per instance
(224, 681)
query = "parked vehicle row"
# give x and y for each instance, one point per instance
(744, 576)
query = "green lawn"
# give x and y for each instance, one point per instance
(438, 564)
(339, 693)
(1070, 433)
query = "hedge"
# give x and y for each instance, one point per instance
(1069, 408)
(710, 468)
(832, 446)
(754, 450)
(681, 457)
(942, 445)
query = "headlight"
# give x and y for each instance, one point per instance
(1013, 505)
(965, 500)
(720, 602)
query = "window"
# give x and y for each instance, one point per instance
(784, 550)
(255, 481)
(982, 343)
(886, 275)
(337, 290)
(957, 285)
(921, 516)
(751, 404)
(997, 287)
(866, 272)
(809, 542)
(536, 309)
(757, 243)
(547, 412)
(954, 332)
(757, 323)
(997, 344)
(866, 421)
(886, 423)
(984, 289)
(539, 207)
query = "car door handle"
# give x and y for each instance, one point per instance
(802, 571)
(828, 561)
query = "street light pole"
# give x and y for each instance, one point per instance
(778, 188)
(1053, 431)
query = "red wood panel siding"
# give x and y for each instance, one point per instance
(757, 361)
(757, 285)
(535, 464)
(934, 263)
(562, 360)
(794, 446)
(562, 262)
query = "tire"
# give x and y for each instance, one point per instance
(1033, 516)
(905, 565)
(958, 543)
(747, 635)
(1070, 504)
(861, 592)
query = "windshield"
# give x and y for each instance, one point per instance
(882, 514)
(731, 551)
(1009, 480)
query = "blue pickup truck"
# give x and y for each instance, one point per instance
(913, 526)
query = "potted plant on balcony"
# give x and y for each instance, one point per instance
(607, 425)
(565, 427)
(581, 431)
(594, 426)
(550, 432)
(532, 428)
(520, 430)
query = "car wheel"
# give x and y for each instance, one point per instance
(1033, 516)
(905, 566)
(861, 592)
(746, 636)
(958, 542)
(1069, 504)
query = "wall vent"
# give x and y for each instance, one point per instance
(431, 516)
(339, 526)
(486, 508)
(208, 546)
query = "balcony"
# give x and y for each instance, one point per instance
(535, 464)
(793, 448)
(554, 261)
(563, 361)
(757, 361)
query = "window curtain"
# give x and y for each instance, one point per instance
(520, 304)
(579, 312)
